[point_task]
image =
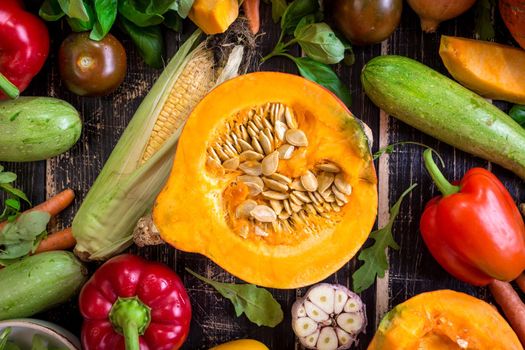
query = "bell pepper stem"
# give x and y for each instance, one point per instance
(130, 317)
(445, 187)
(8, 87)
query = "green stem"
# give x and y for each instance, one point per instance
(278, 50)
(8, 88)
(131, 336)
(445, 187)
(130, 317)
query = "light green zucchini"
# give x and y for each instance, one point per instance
(37, 128)
(440, 107)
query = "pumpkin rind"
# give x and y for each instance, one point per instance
(444, 319)
(190, 213)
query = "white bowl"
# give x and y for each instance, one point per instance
(23, 330)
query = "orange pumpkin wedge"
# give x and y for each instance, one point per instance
(444, 319)
(492, 70)
(273, 180)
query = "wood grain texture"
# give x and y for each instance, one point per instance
(412, 271)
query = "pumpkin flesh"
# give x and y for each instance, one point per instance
(196, 211)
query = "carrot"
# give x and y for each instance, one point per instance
(520, 281)
(53, 205)
(61, 240)
(251, 11)
(511, 305)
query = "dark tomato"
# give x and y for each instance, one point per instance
(366, 22)
(92, 68)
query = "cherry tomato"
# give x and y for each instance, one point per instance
(92, 68)
(366, 22)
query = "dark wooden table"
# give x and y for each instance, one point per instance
(412, 270)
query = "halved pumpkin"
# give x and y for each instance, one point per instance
(273, 180)
(444, 319)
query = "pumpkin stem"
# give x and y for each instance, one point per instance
(445, 187)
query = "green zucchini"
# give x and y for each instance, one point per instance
(39, 282)
(440, 107)
(37, 128)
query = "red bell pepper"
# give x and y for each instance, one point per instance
(24, 46)
(474, 230)
(133, 304)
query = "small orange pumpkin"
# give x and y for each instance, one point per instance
(273, 180)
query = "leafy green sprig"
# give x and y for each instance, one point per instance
(12, 204)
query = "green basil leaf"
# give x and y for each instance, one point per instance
(323, 75)
(15, 192)
(173, 21)
(13, 204)
(517, 112)
(257, 303)
(51, 10)
(106, 11)
(7, 177)
(374, 257)
(278, 8)
(78, 25)
(75, 9)
(148, 40)
(319, 42)
(138, 15)
(26, 228)
(295, 11)
(182, 7)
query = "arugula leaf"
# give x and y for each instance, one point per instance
(148, 40)
(75, 9)
(374, 257)
(278, 8)
(517, 112)
(295, 11)
(51, 10)
(485, 20)
(319, 42)
(15, 192)
(323, 75)
(106, 11)
(257, 303)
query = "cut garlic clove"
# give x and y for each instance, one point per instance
(314, 312)
(323, 296)
(327, 339)
(310, 340)
(304, 326)
(340, 300)
(301, 311)
(344, 337)
(350, 322)
(353, 305)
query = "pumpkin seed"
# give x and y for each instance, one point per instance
(297, 219)
(285, 151)
(284, 216)
(297, 185)
(335, 207)
(277, 206)
(230, 146)
(318, 197)
(290, 119)
(280, 129)
(243, 210)
(295, 208)
(329, 167)
(330, 198)
(265, 143)
(295, 200)
(319, 208)
(231, 164)
(213, 154)
(231, 152)
(339, 195)
(251, 167)
(309, 181)
(245, 135)
(269, 135)
(260, 232)
(245, 145)
(287, 207)
(276, 225)
(253, 188)
(275, 185)
(263, 213)
(256, 145)
(275, 195)
(280, 178)
(267, 124)
(250, 178)
(214, 164)
(279, 112)
(310, 209)
(252, 132)
(312, 196)
(270, 163)
(325, 181)
(302, 196)
(258, 122)
(250, 155)
(342, 185)
(236, 142)
(252, 125)
(244, 231)
(296, 137)
(304, 216)
(223, 156)
(339, 202)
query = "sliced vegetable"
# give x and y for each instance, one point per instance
(365, 22)
(256, 303)
(37, 128)
(444, 319)
(444, 109)
(24, 43)
(130, 303)
(328, 317)
(433, 12)
(140, 163)
(91, 68)
(492, 70)
(512, 306)
(242, 344)
(39, 282)
(375, 260)
(214, 16)
(512, 12)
